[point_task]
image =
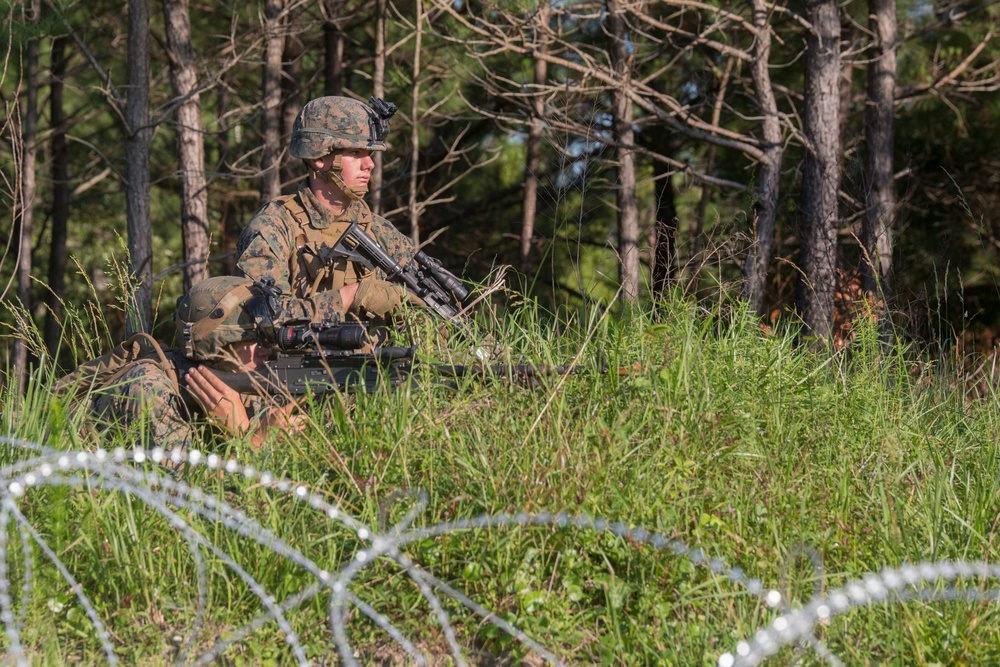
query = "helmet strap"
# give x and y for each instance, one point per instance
(334, 176)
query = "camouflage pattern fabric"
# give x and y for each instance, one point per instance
(328, 123)
(146, 395)
(271, 245)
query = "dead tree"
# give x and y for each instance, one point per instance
(624, 142)
(876, 229)
(378, 90)
(765, 212)
(414, 210)
(25, 201)
(274, 46)
(333, 49)
(291, 90)
(58, 59)
(533, 148)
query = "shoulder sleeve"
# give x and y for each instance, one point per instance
(264, 247)
(326, 306)
(392, 240)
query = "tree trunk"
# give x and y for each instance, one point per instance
(138, 134)
(847, 37)
(665, 237)
(333, 53)
(228, 201)
(876, 226)
(821, 175)
(270, 186)
(415, 128)
(533, 155)
(698, 228)
(624, 138)
(291, 94)
(190, 142)
(768, 169)
(24, 219)
(60, 198)
(378, 90)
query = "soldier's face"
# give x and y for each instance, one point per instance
(251, 355)
(356, 168)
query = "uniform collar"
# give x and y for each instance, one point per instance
(320, 217)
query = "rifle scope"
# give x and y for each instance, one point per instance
(446, 278)
(308, 336)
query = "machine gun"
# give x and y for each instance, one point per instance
(318, 358)
(324, 358)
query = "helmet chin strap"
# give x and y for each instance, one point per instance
(334, 176)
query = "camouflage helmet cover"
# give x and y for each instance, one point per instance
(326, 124)
(213, 314)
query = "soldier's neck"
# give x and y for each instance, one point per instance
(330, 196)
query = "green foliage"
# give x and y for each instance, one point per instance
(472, 112)
(704, 428)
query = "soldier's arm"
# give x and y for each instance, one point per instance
(328, 306)
(265, 250)
(146, 394)
(399, 247)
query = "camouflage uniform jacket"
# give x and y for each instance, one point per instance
(149, 395)
(287, 240)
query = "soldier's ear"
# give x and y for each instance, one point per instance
(328, 161)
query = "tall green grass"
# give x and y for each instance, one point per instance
(703, 428)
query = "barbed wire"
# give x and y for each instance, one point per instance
(122, 471)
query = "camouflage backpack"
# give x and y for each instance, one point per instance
(107, 369)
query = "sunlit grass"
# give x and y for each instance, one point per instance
(703, 427)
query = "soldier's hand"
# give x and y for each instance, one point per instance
(377, 298)
(278, 418)
(347, 294)
(221, 402)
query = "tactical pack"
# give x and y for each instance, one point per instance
(107, 369)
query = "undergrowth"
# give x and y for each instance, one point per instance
(691, 422)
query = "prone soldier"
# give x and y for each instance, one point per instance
(221, 323)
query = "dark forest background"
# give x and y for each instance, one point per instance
(818, 159)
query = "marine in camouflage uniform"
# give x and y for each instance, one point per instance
(289, 238)
(147, 396)
(151, 389)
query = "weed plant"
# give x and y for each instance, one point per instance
(691, 422)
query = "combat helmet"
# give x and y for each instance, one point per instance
(326, 124)
(221, 311)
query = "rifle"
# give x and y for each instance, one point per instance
(322, 358)
(424, 276)
(318, 358)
